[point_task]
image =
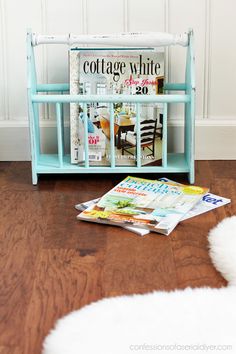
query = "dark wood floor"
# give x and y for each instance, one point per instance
(52, 264)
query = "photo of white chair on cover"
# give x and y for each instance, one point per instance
(147, 137)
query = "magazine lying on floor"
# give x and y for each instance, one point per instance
(208, 202)
(86, 205)
(152, 205)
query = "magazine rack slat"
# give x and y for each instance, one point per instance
(60, 163)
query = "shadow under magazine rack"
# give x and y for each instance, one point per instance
(60, 162)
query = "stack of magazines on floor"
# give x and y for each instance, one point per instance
(142, 206)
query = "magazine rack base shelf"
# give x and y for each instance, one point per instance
(60, 162)
(50, 164)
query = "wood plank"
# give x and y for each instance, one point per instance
(190, 248)
(135, 264)
(65, 231)
(204, 175)
(227, 188)
(223, 169)
(64, 281)
(16, 176)
(10, 350)
(22, 227)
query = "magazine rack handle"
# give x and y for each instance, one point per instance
(130, 39)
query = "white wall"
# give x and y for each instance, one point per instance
(213, 22)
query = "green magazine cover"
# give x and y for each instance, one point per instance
(153, 205)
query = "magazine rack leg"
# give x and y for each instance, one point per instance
(32, 108)
(189, 141)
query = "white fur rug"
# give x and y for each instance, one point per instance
(192, 320)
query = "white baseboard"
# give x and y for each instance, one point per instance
(215, 139)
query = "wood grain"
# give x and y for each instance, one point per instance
(22, 230)
(137, 265)
(10, 350)
(64, 281)
(52, 263)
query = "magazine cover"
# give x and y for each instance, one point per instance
(208, 202)
(104, 72)
(152, 205)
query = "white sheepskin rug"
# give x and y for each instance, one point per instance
(192, 320)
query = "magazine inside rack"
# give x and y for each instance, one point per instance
(105, 72)
(59, 96)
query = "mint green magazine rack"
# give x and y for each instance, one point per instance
(59, 95)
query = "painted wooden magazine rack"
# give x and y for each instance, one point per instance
(60, 162)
